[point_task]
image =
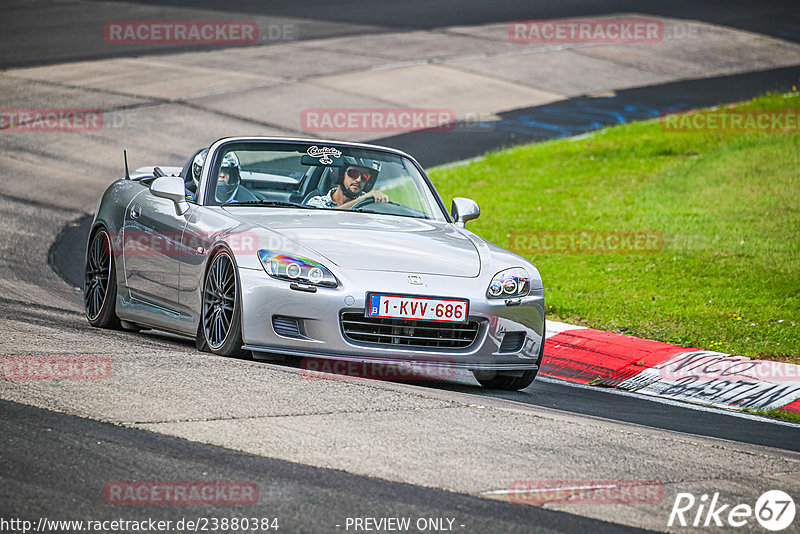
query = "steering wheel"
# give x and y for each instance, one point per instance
(365, 202)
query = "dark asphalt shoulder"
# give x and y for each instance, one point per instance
(57, 466)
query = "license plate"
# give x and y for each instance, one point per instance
(419, 308)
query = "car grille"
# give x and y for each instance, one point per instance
(429, 334)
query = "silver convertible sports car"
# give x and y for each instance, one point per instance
(319, 249)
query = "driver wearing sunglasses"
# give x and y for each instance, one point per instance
(350, 190)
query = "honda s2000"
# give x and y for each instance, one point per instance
(309, 248)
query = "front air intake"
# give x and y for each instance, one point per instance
(512, 342)
(286, 326)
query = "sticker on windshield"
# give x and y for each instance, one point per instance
(323, 154)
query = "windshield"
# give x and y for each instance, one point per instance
(320, 176)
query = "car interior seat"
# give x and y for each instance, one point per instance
(323, 186)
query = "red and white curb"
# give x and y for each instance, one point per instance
(587, 356)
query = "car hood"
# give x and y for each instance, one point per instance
(364, 241)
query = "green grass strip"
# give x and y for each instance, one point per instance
(725, 207)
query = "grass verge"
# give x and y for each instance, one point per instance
(786, 415)
(724, 207)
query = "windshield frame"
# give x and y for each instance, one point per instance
(221, 146)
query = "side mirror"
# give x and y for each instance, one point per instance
(463, 210)
(171, 188)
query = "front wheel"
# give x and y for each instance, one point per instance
(497, 380)
(221, 314)
(508, 382)
(100, 283)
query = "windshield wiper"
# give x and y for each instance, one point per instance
(269, 203)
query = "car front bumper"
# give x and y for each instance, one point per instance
(320, 334)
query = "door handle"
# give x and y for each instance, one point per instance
(136, 210)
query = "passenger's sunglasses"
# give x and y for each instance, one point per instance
(353, 174)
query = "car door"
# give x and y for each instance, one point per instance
(152, 254)
(204, 226)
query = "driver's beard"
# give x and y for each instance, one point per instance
(349, 194)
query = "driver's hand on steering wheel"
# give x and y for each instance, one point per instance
(379, 196)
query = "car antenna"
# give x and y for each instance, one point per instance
(125, 156)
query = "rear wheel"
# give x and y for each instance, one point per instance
(100, 282)
(221, 314)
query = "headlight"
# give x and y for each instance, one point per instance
(509, 283)
(296, 269)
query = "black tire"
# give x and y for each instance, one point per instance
(100, 282)
(497, 380)
(200, 339)
(221, 314)
(506, 382)
(131, 327)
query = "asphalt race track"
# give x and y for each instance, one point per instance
(305, 499)
(578, 115)
(323, 451)
(26, 41)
